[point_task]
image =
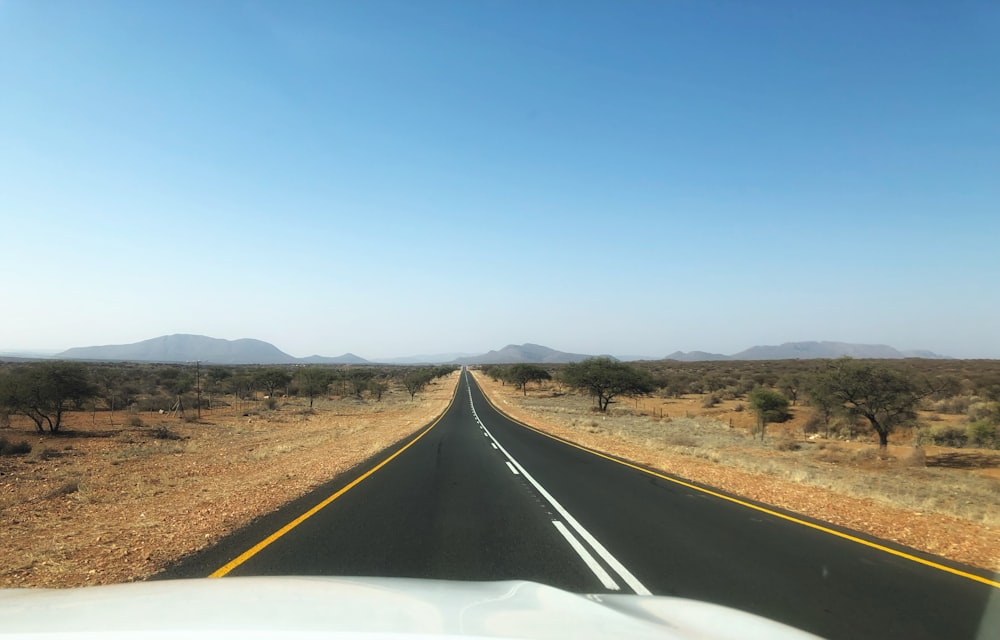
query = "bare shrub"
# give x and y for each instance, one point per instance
(866, 455)
(787, 444)
(49, 454)
(163, 433)
(813, 424)
(11, 448)
(65, 489)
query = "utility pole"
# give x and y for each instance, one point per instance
(197, 384)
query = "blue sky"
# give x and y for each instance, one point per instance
(393, 178)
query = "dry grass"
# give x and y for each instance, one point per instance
(100, 505)
(944, 501)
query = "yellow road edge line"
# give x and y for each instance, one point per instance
(257, 548)
(811, 525)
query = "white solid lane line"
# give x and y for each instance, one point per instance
(587, 537)
(588, 559)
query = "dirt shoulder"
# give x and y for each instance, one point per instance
(106, 504)
(950, 510)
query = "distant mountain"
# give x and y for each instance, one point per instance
(185, 348)
(923, 353)
(695, 356)
(347, 358)
(806, 351)
(435, 358)
(513, 354)
(189, 348)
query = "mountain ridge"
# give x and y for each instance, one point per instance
(523, 353)
(189, 348)
(186, 347)
(808, 350)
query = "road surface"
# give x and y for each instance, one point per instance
(480, 497)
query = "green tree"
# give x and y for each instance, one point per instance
(885, 396)
(770, 406)
(44, 391)
(789, 384)
(415, 381)
(606, 379)
(358, 379)
(272, 379)
(522, 374)
(313, 381)
(377, 387)
(822, 398)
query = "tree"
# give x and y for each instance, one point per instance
(44, 391)
(886, 397)
(522, 374)
(770, 406)
(789, 384)
(606, 379)
(822, 398)
(358, 380)
(416, 380)
(313, 381)
(272, 379)
(377, 387)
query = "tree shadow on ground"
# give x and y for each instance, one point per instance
(961, 460)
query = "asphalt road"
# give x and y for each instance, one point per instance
(479, 497)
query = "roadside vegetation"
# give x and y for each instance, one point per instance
(953, 403)
(149, 462)
(904, 450)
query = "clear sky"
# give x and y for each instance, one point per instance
(398, 178)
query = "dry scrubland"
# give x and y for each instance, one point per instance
(940, 500)
(101, 504)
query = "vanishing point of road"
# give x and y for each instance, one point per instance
(477, 496)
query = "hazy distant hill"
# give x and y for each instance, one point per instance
(513, 353)
(695, 356)
(433, 358)
(347, 358)
(189, 348)
(805, 351)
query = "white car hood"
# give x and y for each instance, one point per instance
(319, 607)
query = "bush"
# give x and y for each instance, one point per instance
(789, 445)
(769, 405)
(48, 454)
(814, 424)
(710, 401)
(956, 405)
(163, 433)
(65, 489)
(8, 448)
(135, 421)
(944, 436)
(984, 411)
(982, 433)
